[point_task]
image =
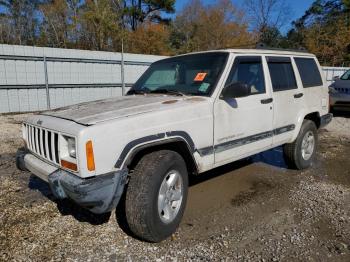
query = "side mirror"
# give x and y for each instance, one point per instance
(235, 90)
(335, 78)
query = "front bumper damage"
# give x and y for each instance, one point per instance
(98, 194)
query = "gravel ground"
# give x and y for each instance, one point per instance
(251, 210)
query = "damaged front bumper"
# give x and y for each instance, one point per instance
(98, 194)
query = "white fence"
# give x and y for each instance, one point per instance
(71, 76)
(331, 72)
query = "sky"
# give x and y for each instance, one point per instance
(298, 7)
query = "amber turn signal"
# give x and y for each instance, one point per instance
(90, 156)
(69, 165)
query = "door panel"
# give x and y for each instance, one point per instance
(288, 98)
(243, 125)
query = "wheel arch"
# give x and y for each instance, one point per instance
(177, 144)
(314, 117)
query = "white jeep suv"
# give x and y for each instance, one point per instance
(185, 115)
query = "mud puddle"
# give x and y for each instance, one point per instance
(213, 200)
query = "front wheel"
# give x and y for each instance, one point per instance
(156, 195)
(301, 153)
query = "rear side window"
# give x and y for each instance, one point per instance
(282, 74)
(309, 73)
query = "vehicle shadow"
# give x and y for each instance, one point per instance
(273, 157)
(66, 207)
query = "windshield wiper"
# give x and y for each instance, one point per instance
(167, 91)
(137, 92)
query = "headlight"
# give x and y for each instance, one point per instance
(71, 147)
(67, 147)
(332, 90)
(68, 154)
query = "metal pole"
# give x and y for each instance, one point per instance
(122, 69)
(47, 85)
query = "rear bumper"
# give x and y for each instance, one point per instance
(99, 194)
(325, 120)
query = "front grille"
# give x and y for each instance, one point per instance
(42, 142)
(343, 90)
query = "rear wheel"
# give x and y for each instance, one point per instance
(301, 153)
(156, 195)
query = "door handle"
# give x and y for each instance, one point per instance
(266, 101)
(298, 95)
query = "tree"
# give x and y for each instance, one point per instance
(324, 29)
(100, 25)
(346, 4)
(271, 37)
(329, 42)
(149, 38)
(55, 26)
(267, 17)
(86, 24)
(19, 21)
(138, 11)
(268, 13)
(199, 27)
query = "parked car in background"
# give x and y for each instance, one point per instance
(339, 92)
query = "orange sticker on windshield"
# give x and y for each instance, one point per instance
(200, 77)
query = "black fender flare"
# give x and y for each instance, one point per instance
(136, 145)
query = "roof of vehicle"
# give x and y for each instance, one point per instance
(266, 51)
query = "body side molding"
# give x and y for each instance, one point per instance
(170, 135)
(243, 141)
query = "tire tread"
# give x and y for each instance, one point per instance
(292, 152)
(138, 194)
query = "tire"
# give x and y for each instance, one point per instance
(149, 191)
(299, 155)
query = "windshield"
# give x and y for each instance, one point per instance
(346, 76)
(195, 74)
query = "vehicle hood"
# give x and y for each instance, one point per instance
(90, 113)
(341, 83)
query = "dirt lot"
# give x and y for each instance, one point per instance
(252, 210)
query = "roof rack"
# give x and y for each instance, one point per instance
(262, 46)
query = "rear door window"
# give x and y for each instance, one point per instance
(308, 70)
(282, 73)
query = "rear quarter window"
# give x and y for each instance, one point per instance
(308, 71)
